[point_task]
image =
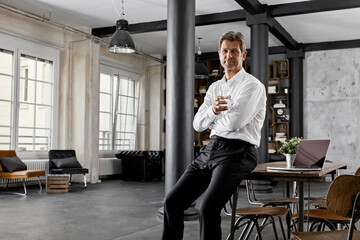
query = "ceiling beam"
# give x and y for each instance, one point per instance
(200, 20)
(280, 10)
(258, 11)
(251, 6)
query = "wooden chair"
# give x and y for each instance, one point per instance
(289, 202)
(343, 199)
(321, 217)
(249, 216)
(23, 174)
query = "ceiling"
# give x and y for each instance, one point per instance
(313, 27)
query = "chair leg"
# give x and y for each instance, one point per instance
(70, 179)
(85, 181)
(25, 190)
(40, 185)
(233, 213)
(258, 228)
(282, 228)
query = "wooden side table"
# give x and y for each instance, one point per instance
(57, 183)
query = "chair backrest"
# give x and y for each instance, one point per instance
(6, 153)
(341, 195)
(56, 154)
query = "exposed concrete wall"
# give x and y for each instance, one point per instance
(332, 103)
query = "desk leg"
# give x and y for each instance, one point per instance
(301, 207)
(233, 214)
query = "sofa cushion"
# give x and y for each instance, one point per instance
(12, 164)
(69, 162)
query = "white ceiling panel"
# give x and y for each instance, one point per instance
(306, 28)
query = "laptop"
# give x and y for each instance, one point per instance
(310, 156)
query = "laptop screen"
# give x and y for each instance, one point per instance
(311, 153)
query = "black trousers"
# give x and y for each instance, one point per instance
(217, 172)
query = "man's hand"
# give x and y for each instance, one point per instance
(220, 104)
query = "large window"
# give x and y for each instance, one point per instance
(26, 101)
(119, 100)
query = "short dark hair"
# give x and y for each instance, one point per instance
(233, 36)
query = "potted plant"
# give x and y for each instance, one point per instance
(289, 148)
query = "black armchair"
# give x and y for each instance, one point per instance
(65, 162)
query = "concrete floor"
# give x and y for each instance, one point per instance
(111, 210)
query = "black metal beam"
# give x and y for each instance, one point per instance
(251, 6)
(310, 47)
(200, 20)
(259, 14)
(306, 7)
(284, 36)
(279, 10)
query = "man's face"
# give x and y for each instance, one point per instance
(231, 57)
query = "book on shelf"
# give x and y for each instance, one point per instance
(271, 89)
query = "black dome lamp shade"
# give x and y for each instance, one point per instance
(201, 71)
(121, 41)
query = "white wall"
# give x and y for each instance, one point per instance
(332, 103)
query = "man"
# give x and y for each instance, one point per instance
(234, 109)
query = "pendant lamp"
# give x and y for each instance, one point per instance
(121, 41)
(201, 71)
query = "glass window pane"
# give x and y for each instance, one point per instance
(25, 139)
(27, 90)
(43, 93)
(44, 70)
(6, 62)
(5, 87)
(42, 139)
(123, 104)
(26, 115)
(124, 85)
(120, 123)
(27, 66)
(5, 113)
(130, 123)
(5, 138)
(43, 116)
(104, 122)
(104, 140)
(105, 103)
(105, 83)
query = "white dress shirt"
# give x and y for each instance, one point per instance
(245, 117)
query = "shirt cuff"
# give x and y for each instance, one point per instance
(211, 115)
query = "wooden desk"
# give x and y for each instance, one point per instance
(261, 173)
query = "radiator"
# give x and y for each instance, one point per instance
(40, 164)
(109, 166)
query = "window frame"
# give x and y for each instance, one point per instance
(111, 68)
(21, 46)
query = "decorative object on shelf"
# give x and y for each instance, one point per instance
(280, 136)
(201, 71)
(196, 104)
(289, 149)
(121, 41)
(281, 68)
(282, 115)
(280, 104)
(286, 89)
(202, 89)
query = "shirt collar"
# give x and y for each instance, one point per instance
(236, 78)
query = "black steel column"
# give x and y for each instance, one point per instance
(259, 68)
(180, 69)
(296, 93)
